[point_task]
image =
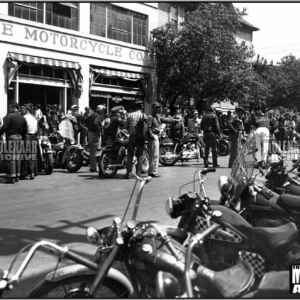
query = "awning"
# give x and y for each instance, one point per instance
(117, 73)
(112, 90)
(15, 60)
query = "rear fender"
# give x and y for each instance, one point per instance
(78, 270)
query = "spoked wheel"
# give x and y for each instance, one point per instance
(223, 148)
(105, 161)
(74, 288)
(166, 157)
(75, 161)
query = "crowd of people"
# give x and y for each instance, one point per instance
(28, 122)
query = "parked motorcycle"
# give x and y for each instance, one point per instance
(140, 248)
(113, 156)
(45, 156)
(265, 249)
(223, 146)
(65, 154)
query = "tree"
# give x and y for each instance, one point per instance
(199, 59)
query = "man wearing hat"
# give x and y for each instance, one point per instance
(94, 124)
(211, 128)
(30, 141)
(235, 128)
(131, 125)
(14, 127)
(262, 136)
(77, 124)
(154, 122)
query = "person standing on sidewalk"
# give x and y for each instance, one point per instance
(14, 127)
(131, 125)
(154, 122)
(94, 124)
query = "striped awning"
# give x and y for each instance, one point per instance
(43, 61)
(117, 73)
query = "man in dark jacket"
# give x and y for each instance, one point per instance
(14, 127)
(211, 128)
(113, 122)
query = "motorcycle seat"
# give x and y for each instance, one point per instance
(228, 283)
(289, 200)
(276, 238)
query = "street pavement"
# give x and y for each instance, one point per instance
(61, 206)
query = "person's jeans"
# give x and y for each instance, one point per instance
(132, 144)
(29, 159)
(94, 138)
(262, 143)
(154, 154)
(13, 157)
(210, 142)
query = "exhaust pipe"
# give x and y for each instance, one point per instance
(169, 156)
(115, 166)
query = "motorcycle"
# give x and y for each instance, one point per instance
(266, 249)
(140, 248)
(66, 155)
(223, 146)
(45, 156)
(113, 156)
(251, 199)
(236, 281)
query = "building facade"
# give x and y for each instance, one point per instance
(76, 53)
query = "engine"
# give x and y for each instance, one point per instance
(189, 151)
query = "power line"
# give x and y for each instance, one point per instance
(283, 45)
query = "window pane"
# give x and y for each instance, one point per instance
(129, 26)
(49, 7)
(74, 13)
(115, 23)
(135, 28)
(109, 32)
(119, 14)
(40, 5)
(103, 20)
(92, 29)
(115, 35)
(98, 30)
(103, 31)
(40, 16)
(143, 30)
(93, 6)
(25, 13)
(32, 4)
(97, 19)
(143, 41)
(55, 20)
(36, 71)
(48, 18)
(119, 24)
(47, 71)
(109, 22)
(109, 10)
(61, 21)
(124, 37)
(134, 39)
(120, 36)
(128, 37)
(33, 13)
(129, 17)
(59, 73)
(103, 9)
(114, 11)
(18, 11)
(11, 9)
(24, 69)
(139, 30)
(124, 27)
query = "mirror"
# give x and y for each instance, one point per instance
(93, 236)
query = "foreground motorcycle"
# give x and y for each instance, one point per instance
(45, 157)
(265, 249)
(236, 281)
(251, 199)
(66, 155)
(113, 156)
(141, 249)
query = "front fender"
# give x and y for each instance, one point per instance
(67, 151)
(78, 270)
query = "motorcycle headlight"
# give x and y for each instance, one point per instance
(176, 205)
(224, 185)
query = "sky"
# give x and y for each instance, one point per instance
(279, 25)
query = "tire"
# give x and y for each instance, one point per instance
(105, 160)
(145, 162)
(74, 164)
(61, 289)
(223, 148)
(164, 161)
(48, 163)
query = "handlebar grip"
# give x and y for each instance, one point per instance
(208, 170)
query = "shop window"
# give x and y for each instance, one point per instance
(114, 81)
(106, 80)
(47, 71)
(63, 15)
(59, 73)
(36, 70)
(24, 70)
(118, 23)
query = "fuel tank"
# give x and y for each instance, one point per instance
(235, 225)
(294, 189)
(59, 147)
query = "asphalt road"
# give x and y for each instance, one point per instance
(61, 206)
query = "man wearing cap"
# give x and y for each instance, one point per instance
(76, 124)
(194, 124)
(211, 128)
(94, 124)
(154, 122)
(30, 142)
(235, 128)
(113, 122)
(14, 127)
(131, 126)
(262, 136)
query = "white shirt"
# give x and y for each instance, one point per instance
(1, 122)
(32, 123)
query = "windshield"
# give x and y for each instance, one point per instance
(243, 167)
(66, 129)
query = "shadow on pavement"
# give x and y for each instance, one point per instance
(13, 240)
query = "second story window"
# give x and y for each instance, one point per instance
(174, 15)
(64, 14)
(118, 24)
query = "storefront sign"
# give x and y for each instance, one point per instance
(26, 35)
